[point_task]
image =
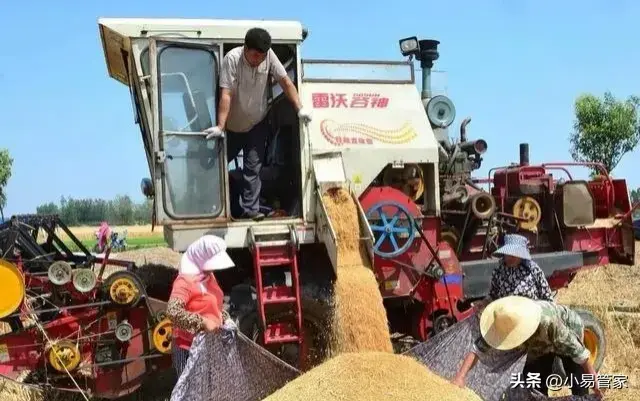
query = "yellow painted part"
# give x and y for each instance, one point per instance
(528, 208)
(591, 342)
(162, 335)
(123, 291)
(68, 356)
(12, 288)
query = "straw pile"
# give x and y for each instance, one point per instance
(602, 290)
(359, 319)
(369, 376)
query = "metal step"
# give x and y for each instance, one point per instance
(274, 261)
(278, 294)
(277, 333)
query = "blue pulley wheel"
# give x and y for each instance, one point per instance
(388, 228)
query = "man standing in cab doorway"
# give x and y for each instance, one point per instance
(242, 111)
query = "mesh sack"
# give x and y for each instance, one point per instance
(444, 353)
(226, 366)
(523, 394)
(490, 378)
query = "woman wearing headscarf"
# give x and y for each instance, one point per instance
(196, 300)
(517, 273)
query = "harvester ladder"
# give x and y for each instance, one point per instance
(272, 249)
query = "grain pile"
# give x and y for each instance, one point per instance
(359, 319)
(371, 376)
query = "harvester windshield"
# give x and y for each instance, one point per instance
(187, 98)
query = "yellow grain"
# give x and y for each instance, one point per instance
(359, 319)
(371, 376)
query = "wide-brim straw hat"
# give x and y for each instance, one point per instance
(510, 321)
(514, 245)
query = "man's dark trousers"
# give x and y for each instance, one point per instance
(253, 145)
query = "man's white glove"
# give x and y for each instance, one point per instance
(214, 132)
(305, 115)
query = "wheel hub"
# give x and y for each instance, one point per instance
(162, 336)
(392, 221)
(64, 356)
(123, 291)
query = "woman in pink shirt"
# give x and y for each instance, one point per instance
(196, 299)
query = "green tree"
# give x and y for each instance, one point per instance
(123, 206)
(48, 208)
(605, 129)
(6, 162)
(119, 211)
(635, 198)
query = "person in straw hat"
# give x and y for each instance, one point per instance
(196, 300)
(516, 274)
(543, 330)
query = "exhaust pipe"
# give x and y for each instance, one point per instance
(524, 154)
(428, 54)
(463, 129)
(478, 146)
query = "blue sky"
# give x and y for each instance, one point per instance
(515, 67)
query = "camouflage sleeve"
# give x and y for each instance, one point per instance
(542, 285)
(566, 343)
(190, 322)
(493, 289)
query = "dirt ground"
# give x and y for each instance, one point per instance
(602, 290)
(599, 290)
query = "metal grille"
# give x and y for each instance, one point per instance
(227, 367)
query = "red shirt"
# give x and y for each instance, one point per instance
(200, 297)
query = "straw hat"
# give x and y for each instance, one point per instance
(508, 322)
(514, 245)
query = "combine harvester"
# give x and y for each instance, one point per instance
(428, 225)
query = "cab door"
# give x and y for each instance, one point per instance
(184, 80)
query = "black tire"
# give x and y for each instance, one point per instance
(594, 336)
(242, 307)
(157, 280)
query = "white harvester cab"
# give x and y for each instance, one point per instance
(367, 117)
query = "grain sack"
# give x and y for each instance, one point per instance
(359, 319)
(371, 376)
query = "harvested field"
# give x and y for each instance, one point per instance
(359, 320)
(602, 290)
(158, 255)
(370, 376)
(88, 232)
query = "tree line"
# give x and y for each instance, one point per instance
(119, 211)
